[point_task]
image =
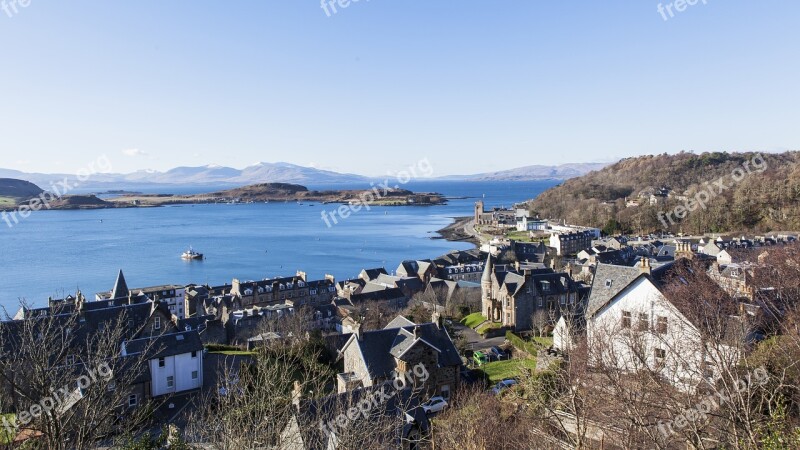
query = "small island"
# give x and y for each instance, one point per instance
(257, 193)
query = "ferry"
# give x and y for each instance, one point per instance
(191, 254)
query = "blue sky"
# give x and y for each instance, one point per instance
(381, 84)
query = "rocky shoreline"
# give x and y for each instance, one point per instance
(458, 231)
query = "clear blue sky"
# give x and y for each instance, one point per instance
(472, 86)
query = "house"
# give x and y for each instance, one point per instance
(422, 269)
(568, 331)
(525, 223)
(277, 290)
(374, 357)
(570, 243)
(175, 361)
(632, 325)
(170, 295)
(395, 419)
(511, 297)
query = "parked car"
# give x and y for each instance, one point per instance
(503, 385)
(497, 354)
(435, 405)
(480, 358)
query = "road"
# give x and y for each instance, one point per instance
(475, 341)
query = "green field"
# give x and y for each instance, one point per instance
(7, 202)
(473, 320)
(500, 370)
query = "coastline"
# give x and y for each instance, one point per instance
(458, 231)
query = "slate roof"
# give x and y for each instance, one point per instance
(120, 287)
(371, 274)
(380, 347)
(166, 345)
(610, 280)
(400, 403)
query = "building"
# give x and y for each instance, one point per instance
(272, 291)
(511, 297)
(633, 325)
(571, 243)
(525, 223)
(171, 295)
(175, 361)
(374, 357)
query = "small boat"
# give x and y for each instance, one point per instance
(191, 254)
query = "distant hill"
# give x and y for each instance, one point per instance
(18, 190)
(533, 173)
(618, 197)
(279, 172)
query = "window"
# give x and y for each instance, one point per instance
(541, 302)
(563, 300)
(133, 400)
(445, 391)
(161, 362)
(112, 386)
(130, 323)
(661, 325)
(194, 354)
(609, 283)
(660, 354)
(170, 382)
(156, 323)
(626, 319)
(70, 360)
(644, 322)
(195, 375)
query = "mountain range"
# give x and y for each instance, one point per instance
(281, 172)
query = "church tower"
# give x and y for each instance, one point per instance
(478, 211)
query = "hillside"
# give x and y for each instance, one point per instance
(766, 198)
(13, 191)
(532, 173)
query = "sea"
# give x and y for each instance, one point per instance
(57, 253)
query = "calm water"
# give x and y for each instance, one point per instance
(53, 253)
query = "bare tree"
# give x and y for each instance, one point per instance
(66, 379)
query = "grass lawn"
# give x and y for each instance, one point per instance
(489, 326)
(473, 320)
(500, 370)
(519, 236)
(545, 342)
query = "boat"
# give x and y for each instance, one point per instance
(191, 254)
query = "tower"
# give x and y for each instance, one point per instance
(478, 211)
(486, 288)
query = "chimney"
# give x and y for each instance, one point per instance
(437, 319)
(359, 330)
(644, 265)
(416, 331)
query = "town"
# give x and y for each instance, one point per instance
(542, 308)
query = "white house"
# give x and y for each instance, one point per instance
(633, 326)
(175, 361)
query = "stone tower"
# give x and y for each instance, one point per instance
(486, 288)
(478, 211)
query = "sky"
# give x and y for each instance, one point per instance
(379, 85)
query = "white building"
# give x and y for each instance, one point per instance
(632, 326)
(175, 361)
(525, 223)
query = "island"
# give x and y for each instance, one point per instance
(278, 192)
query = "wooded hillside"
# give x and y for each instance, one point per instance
(715, 192)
